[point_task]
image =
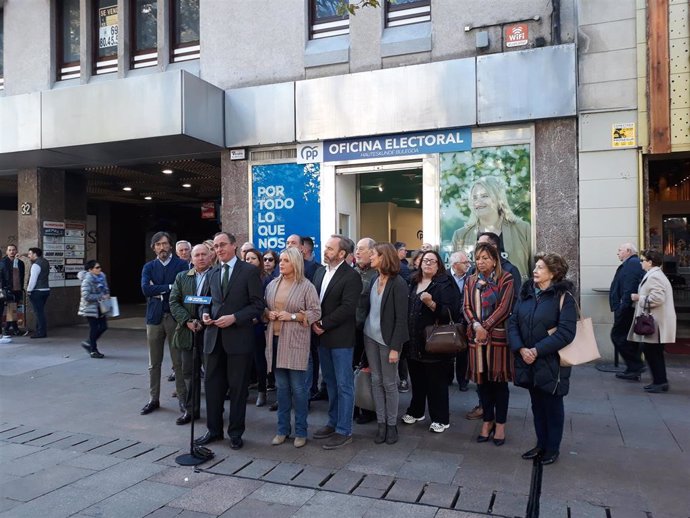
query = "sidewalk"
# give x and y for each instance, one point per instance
(72, 443)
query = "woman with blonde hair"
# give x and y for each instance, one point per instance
(292, 305)
(209, 245)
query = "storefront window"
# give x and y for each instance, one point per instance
(185, 29)
(405, 12)
(326, 19)
(144, 33)
(106, 29)
(68, 39)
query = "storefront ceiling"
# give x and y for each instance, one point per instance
(402, 188)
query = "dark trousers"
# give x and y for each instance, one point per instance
(629, 351)
(97, 326)
(227, 373)
(429, 387)
(403, 370)
(461, 367)
(38, 302)
(494, 397)
(260, 361)
(314, 355)
(548, 419)
(191, 372)
(654, 354)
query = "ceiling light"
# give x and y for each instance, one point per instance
(127, 189)
(416, 200)
(380, 188)
(148, 198)
(167, 171)
(186, 185)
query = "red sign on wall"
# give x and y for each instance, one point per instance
(517, 35)
(208, 210)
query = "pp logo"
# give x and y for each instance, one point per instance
(310, 153)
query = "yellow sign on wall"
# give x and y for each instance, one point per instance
(623, 135)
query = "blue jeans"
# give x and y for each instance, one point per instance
(291, 392)
(38, 301)
(336, 369)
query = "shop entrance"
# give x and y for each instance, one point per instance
(384, 202)
(669, 232)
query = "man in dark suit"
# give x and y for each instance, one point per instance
(625, 283)
(339, 287)
(13, 269)
(237, 298)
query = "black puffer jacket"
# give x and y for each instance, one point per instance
(528, 327)
(444, 291)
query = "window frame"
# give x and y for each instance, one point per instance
(183, 51)
(143, 57)
(109, 63)
(419, 12)
(328, 26)
(71, 69)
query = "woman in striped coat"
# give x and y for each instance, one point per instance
(292, 305)
(488, 303)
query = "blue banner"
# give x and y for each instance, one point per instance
(401, 144)
(286, 201)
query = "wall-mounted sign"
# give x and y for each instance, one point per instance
(623, 135)
(107, 27)
(401, 144)
(238, 154)
(25, 209)
(311, 153)
(517, 35)
(208, 210)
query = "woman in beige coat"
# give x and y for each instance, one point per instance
(292, 305)
(655, 295)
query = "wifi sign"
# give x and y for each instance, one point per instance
(516, 35)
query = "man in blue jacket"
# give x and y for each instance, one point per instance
(625, 283)
(157, 279)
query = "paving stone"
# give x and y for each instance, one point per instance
(42, 459)
(111, 446)
(326, 504)
(377, 461)
(284, 472)
(279, 494)
(158, 453)
(311, 477)
(430, 466)
(344, 481)
(447, 513)
(50, 439)
(369, 492)
(27, 437)
(64, 502)
(182, 477)
(32, 486)
(257, 469)
(216, 496)
(71, 441)
(6, 504)
(248, 508)
(230, 465)
(138, 500)
(374, 486)
(92, 461)
(580, 509)
(15, 432)
(622, 512)
(472, 499)
(6, 426)
(194, 514)
(165, 512)
(11, 451)
(439, 495)
(384, 508)
(405, 490)
(118, 477)
(509, 504)
(552, 508)
(92, 443)
(134, 451)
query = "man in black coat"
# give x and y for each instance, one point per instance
(339, 287)
(12, 271)
(236, 299)
(625, 283)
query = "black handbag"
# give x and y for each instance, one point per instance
(448, 338)
(644, 323)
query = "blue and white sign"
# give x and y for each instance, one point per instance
(194, 299)
(311, 153)
(402, 144)
(286, 200)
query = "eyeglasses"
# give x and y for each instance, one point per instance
(429, 261)
(268, 259)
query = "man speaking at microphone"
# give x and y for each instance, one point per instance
(236, 299)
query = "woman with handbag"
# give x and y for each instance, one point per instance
(434, 298)
(292, 305)
(94, 305)
(654, 298)
(488, 301)
(543, 322)
(385, 332)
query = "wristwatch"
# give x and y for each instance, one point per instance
(293, 317)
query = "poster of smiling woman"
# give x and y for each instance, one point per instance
(488, 190)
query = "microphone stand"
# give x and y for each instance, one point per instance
(197, 454)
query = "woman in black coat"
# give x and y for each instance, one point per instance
(544, 321)
(434, 297)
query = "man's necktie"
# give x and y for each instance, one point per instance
(226, 279)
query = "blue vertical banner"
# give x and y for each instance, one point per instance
(286, 200)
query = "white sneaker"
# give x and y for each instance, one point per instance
(408, 419)
(438, 427)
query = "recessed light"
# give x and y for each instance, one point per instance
(148, 198)
(380, 188)
(416, 201)
(186, 185)
(127, 189)
(167, 171)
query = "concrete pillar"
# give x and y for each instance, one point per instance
(234, 186)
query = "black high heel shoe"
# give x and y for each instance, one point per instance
(485, 438)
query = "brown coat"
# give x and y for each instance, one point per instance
(295, 337)
(656, 289)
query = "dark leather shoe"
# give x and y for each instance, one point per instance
(39, 336)
(380, 434)
(150, 407)
(324, 432)
(171, 377)
(236, 443)
(319, 396)
(630, 376)
(391, 434)
(656, 389)
(549, 458)
(365, 417)
(533, 453)
(208, 438)
(184, 419)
